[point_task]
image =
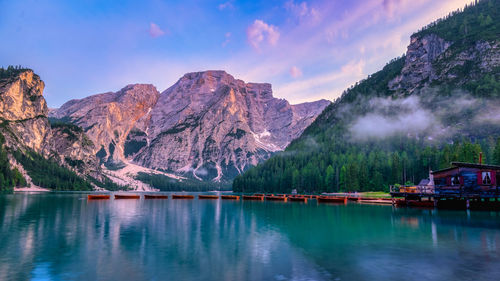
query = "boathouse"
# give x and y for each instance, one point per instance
(456, 185)
(467, 180)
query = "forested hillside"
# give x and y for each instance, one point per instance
(438, 103)
(9, 177)
(56, 156)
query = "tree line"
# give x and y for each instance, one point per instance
(165, 183)
(361, 167)
(9, 177)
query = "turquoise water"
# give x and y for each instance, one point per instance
(62, 236)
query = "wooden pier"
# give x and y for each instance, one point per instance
(462, 186)
(332, 199)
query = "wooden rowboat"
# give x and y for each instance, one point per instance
(201, 196)
(155, 196)
(374, 201)
(258, 194)
(375, 198)
(276, 198)
(253, 197)
(127, 196)
(182, 196)
(230, 197)
(298, 199)
(98, 196)
(332, 199)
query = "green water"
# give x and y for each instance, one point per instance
(61, 236)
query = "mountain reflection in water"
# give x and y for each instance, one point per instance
(62, 236)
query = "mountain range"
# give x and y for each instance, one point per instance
(436, 104)
(208, 126)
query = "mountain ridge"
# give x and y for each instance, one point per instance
(208, 125)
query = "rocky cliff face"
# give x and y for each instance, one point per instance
(430, 58)
(208, 125)
(109, 118)
(24, 124)
(211, 125)
(24, 111)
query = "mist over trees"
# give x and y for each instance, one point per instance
(372, 166)
(373, 137)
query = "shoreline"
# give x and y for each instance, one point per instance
(31, 189)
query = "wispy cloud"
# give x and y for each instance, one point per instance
(226, 6)
(390, 6)
(227, 39)
(260, 32)
(155, 31)
(332, 44)
(302, 11)
(351, 71)
(295, 72)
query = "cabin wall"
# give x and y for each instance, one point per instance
(468, 180)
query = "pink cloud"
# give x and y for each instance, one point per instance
(155, 31)
(302, 11)
(228, 38)
(226, 6)
(295, 72)
(260, 31)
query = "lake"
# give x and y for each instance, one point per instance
(62, 236)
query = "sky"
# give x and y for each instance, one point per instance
(308, 50)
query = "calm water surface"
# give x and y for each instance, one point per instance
(61, 236)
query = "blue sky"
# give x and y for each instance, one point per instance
(307, 49)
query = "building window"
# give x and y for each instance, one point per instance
(455, 180)
(486, 178)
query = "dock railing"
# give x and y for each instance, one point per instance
(412, 189)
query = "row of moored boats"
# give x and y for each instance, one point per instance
(255, 197)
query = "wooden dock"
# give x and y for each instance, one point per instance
(332, 199)
(461, 186)
(379, 201)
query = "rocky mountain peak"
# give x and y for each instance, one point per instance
(208, 125)
(211, 125)
(109, 117)
(25, 126)
(22, 96)
(420, 55)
